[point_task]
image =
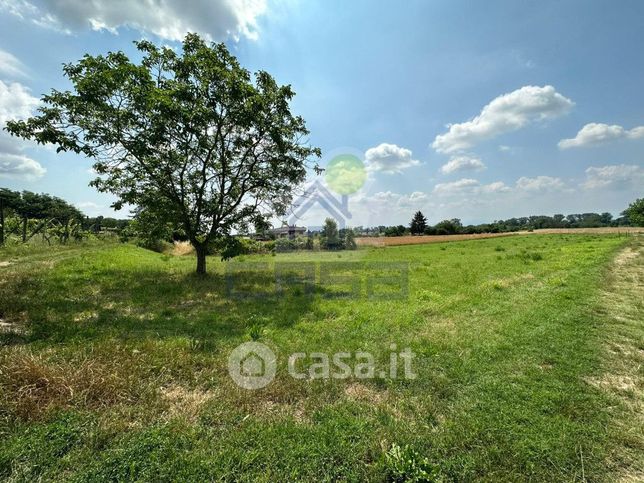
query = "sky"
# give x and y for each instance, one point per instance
(461, 109)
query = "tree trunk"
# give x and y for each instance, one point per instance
(200, 249)
(24, 230)
(66, 233)
(1, 222)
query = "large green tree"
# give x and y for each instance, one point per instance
(635, 212)
(191, 137)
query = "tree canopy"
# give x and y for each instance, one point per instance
(635, 212)
(46, 213)
(191, 137)
(418, 224)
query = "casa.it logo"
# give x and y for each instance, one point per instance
(252, 365)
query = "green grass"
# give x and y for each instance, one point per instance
(115, 366)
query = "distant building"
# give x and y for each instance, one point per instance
(288, 231)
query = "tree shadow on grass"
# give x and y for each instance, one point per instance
(148, 303)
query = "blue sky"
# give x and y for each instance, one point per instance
(475, 110)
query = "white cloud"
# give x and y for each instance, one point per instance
(540, 184)
(594, 133)
(453, 187)
(618, 176)
(389, 158)
(496, 187)
(20, 167)
(462, 163)
(169, 19)
(88, 204)
(10, 66)
(15, 102)
(468, 186)
(506, 113)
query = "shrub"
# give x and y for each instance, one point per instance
(350, 240)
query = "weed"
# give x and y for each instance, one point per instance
(403, 464)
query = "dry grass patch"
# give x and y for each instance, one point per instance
(359, 392)
(181, 248)
(32, 384)
(185, 402)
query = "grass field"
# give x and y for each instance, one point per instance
(528, 354)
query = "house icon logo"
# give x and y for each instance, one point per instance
(345, 174)
(316, 192)
(252, 365)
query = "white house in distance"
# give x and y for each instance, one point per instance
(288, 231)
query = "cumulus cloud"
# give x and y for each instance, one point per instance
(496, 187)
(20, 167)
(10, 66)
(462, 163)
(16, 102)
(617, 176)
(540, 184)
(506, 113)
(387, 205)
(594, 134)
(389, 158)
(169, 19)
(468, 186)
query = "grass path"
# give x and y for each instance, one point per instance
(622, 308)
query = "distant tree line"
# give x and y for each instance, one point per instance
(632, 216)
(25, 215)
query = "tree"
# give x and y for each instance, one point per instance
(398, 230)
(448, 227)
(8, 201)
(188, 136)
(635, 212)
(330, 238)
(350, 240)
(418, 224)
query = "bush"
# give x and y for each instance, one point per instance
(350, 240)
(269, 246)
(285, 245)
(156, 245)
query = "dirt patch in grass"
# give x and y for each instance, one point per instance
(389, 241)
(359, 392)
(185, 402)
(416, 240)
